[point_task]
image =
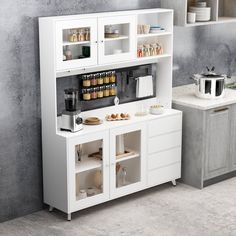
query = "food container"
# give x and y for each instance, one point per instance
(112, 77)
(99, 79)
(112, 91)
(73, 36)
(86, 94)
(106, 78)
(209, 85)
(100, 92)
(86, 81)
(94, 80)
(106, 91)
(94, 94)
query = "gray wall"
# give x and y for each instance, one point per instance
(20, 135)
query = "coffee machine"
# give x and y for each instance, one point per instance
(71, 117)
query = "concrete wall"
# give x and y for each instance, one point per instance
(20, 135)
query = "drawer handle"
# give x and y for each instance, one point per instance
(221, 110)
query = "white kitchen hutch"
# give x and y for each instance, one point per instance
(155, 140)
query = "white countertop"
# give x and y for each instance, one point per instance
(184, 95)
(131, 108)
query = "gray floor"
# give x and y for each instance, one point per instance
(163, 210)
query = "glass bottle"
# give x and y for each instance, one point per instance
(93, 80)
(106, 91)
(100, 92)
(86, 81)
(112, 90)
(123, 175)
(94, 93)
(106, 79)
(113, 77)
(87, 34)
(86, 94)
(99, 79)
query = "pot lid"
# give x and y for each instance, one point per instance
(211, 74)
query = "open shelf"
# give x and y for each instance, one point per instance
(87, 163)
(121, 37)
(153, 34)
(67, 43)
(128, 157)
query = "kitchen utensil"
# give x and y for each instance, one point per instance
(71, 119)
(209, 85)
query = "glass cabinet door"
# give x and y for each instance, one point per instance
(88, 170)
(116, 39)
(127, 150)
(76, 43)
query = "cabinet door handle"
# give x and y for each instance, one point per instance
(102, 41)
(221, 110)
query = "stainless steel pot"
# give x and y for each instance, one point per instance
(209, 85)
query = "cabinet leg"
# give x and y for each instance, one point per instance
(174, 182)
(69, 217)
(51, 208)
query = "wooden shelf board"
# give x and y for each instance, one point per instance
(67, 43)
(153, 35)
(121, 37)
(87, 164)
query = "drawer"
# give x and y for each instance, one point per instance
(164, 174)
(164, 125)
(164, 142)
(165, 158)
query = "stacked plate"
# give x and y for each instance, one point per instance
(203, 13)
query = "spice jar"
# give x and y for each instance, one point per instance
(99, 79)
(93, 80)
(86, 94)
(86, 81)
(73, 36)
(68, 53)
(87, 35)
(113, 77)
(100, 92)
(81, 35)
(94, 93)
(112, 90)
(106, 91)
(106, 78)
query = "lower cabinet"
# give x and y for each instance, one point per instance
(114, 162)
(217, 159)
(209, 150)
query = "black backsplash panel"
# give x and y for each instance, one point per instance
(126, 87)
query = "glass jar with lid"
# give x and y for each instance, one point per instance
(72, 36)
(87, 34)
(100, 92)
(93, 80)
(80, 36)
(99, 78)
(86, 81)
(106, 79)
(94, 94)
(112, 77)
(112, 90)
(106, 91)
(140, 51)
(86, 94)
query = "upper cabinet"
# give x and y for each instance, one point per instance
(84, 42)
(116, 37)
(76, 43)
(219, 11)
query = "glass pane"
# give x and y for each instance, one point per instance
(76, 43)
(116, 39)
(128, 162)
(89, 169)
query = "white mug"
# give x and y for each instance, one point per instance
(191, 17)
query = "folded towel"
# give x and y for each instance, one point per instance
(144, 86)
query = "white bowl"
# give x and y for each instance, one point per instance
(157, 111)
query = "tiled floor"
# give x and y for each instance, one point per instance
(164, 210)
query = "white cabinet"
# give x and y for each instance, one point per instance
(122, 46)
(133, 166)
(85, 172)
(76, 43)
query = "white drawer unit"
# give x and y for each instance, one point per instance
(164, 142)
(164, 174)
(170, 124)
(164, 158)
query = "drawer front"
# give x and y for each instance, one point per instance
(164, 142)
(165, 158)
(165, 125)
(165, 174)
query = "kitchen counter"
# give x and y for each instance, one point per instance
(184, 95)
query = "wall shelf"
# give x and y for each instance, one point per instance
(67, 43)
(222, 11)
(121, 37)
(153, 34)
(135, 155)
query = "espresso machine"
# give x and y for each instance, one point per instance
(71, 117)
